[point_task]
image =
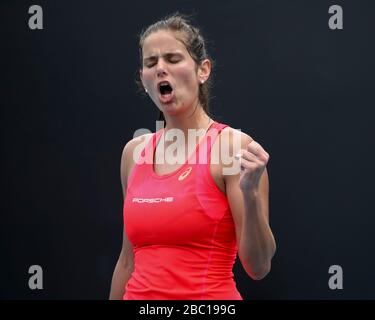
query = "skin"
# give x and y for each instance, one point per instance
(165, 57)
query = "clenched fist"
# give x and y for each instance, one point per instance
(253, 161)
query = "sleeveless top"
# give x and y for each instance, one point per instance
(181, 228)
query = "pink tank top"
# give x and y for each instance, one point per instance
(181, 229)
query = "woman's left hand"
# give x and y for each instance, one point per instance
(253, 162)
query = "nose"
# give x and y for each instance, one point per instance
(160, 69)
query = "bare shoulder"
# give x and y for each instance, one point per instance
(235, 137)
(230, 142)
(131, 153)
(133, 146)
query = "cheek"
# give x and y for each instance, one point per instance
(147, 78)
(187, 79)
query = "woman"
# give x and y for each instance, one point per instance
(184, 223)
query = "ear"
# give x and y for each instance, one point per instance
(204, 70)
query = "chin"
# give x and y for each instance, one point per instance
(171, 109)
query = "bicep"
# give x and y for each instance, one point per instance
(234, 193)
(126, 255)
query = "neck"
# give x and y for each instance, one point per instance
(198, 120)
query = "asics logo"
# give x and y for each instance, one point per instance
(184, 174)
(152, 200)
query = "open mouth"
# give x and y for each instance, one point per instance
(165, 88)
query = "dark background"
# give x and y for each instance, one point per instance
(69, 104)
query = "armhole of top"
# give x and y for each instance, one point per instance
(208, 166)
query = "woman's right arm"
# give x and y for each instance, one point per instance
(125, 263)
(123, 270)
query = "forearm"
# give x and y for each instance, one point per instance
(257, 244)
(120, 278)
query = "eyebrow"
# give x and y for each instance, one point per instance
(168, 54)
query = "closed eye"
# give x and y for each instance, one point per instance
(149, 63)
(169, 57)
(174, 60)
(174, 57)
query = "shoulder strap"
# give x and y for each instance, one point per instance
(213, 133)
(204, 152)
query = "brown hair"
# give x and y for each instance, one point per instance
(193, 40)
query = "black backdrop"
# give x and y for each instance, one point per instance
(69, 104)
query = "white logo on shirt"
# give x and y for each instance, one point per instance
(184, 174)
(152, 200)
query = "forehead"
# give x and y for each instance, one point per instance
(160, 42)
